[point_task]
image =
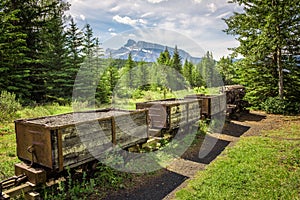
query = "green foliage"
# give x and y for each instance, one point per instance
(7, 153)
(71, 188)
(176, 61)
(129, 73)
(44, 110)
(266, 33)
(275, 105)
(164, 58)
(207, 73)
(110, 178)
(227, 70)
(14, 75)
(188, 72)
(200, 90)
(8, 106)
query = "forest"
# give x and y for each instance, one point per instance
(43, 49)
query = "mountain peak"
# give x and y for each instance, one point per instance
(146, 51)
(130, 43)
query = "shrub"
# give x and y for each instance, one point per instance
(275, 105)
(8, 106)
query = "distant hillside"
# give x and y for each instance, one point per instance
(146, 51)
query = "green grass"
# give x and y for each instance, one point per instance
(8, 155)
(41, 111)
(258, 167)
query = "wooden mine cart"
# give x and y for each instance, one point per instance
(73, 139)
(211, 104)
(171, 113)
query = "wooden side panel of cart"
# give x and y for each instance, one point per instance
(75, 144)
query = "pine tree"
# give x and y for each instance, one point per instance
(188, 71)
(112, 74)
(267, 31)
(226, 68)
(129, 72)
(207, 70)
(54, 56)
(143, 75)
(15, 32)
(14, 75)
(164, 58)
(89, 41)
(176, 61)
(74, 42)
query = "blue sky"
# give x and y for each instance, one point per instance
(198, 20)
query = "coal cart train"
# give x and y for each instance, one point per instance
(47, 146)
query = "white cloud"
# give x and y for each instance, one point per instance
(148, 14)
(128, 21)
(198, 19)
(142, 21)
(212, 7)
(82, 17)
(115, 9)
(197, 1)
(156, 1)
(124, 20)
(111, 30)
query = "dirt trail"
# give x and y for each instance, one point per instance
(164, 183)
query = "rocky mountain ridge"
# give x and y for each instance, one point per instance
(146, 51)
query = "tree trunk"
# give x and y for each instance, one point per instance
(280, 73)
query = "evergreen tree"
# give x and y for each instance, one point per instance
(164, 58)
(89, 83)
(226, 68)
(89, 41)
(54, 57)
(188, 72)
(176, 61)
(207, 70)
(14, 73)
(74, 42)
(112, 74)
(143, 76)
(129, 73)
(267, 31)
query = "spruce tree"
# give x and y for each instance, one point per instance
(89, 41)
(113, 76)
(74, 42)
(176, 61)
(129, 72)
(226, 68)
(54, 56)
(164, 58)
(14, 73)
(267, 32)
(188, 71)
(143, 75)
(207, 70)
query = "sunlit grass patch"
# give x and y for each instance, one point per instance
(256, 168)
(8, 155)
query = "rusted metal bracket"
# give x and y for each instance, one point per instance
(11, 182)
(25, 180)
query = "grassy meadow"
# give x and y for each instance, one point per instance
(257, 167)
